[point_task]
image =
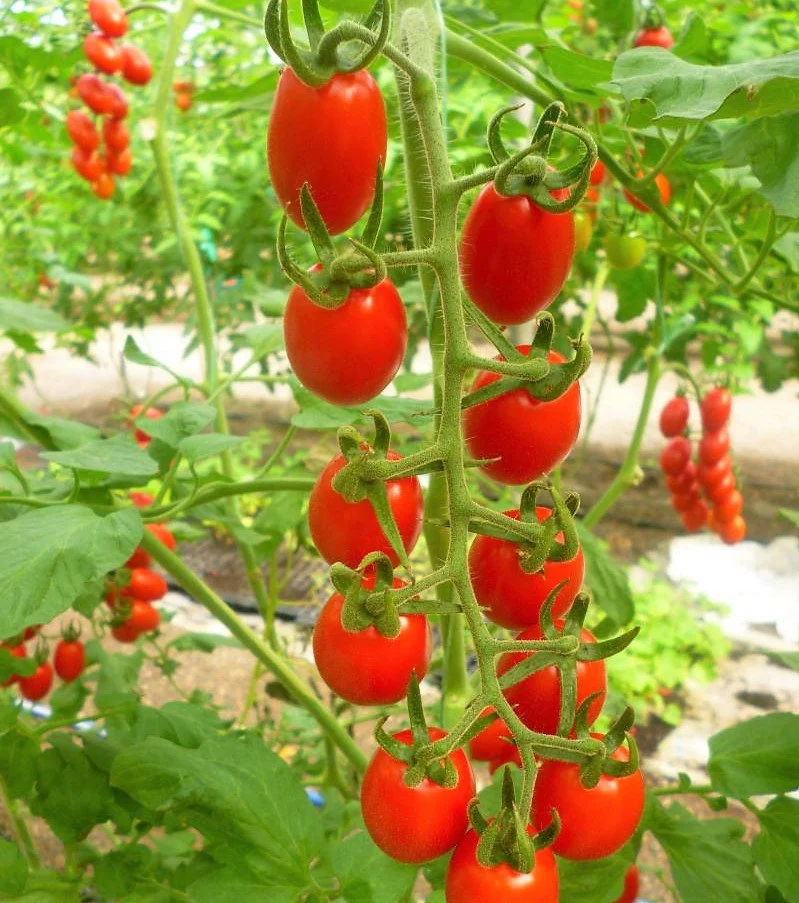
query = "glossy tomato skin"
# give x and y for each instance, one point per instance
(82, 131)
(710, 476)
(349, 354)
(119, 102)
(37, 686)
(527, 436)
(733, 531)
(714, 446)
(694, 517)
(493, 743)
(87, 164)
(674, 417)
(536, 699)
(664, 190)
(654, 37)
(509, 595)
(469, 882)
(125, 633)
(676, 456)
(624, 251)
(514, 255)
(631, 885)
(109, 17)
(729, 508)
(115, 135)
(722, 490)
(716, 409)
(594, 823)
(69, 659)
(103, 53)
(143, 617)
(95, 93)
(136, 66)
(685, 481)
(120, 163)
(365, 667)
(348, 531)
(415, 824)
(145, 585)
(331, 137)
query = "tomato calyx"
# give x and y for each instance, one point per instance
(603, 761)
(652, 18)
(330, 52)
(365, 607)
(71, 633)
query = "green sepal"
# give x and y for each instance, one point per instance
(592, 652)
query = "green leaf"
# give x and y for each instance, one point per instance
(13, 870)
(608, 582)
(118, 455)
(264, 339)
(18, 756)
(634, 288)
(363, 872)
(21, 317)
(208, 445)
(182, 420)
(135, 355)
(791, 516)
(776, 845)
(119, 871)
(317, 414)
(576, 70)
(708, 859)
(595, 882)
(617, 15)
(10, 108)
(757, 756)
(51, 553)
(64, 433)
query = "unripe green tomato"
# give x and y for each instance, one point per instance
(625, 251)
(583, 230)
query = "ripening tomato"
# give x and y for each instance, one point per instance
(136, 66)
(694, 518)
(348, 354)
(494, 743)
(714, 446)
(536, 699)
(583, 231)
(732, 531)
(674, 417)
(109, 17)
(469, 882)
(515, 758)
(17, 651)
(331, 137)
(69, 659)
(103, 53)
(675, 456)
(115, 135)
(710, 476)
(183, 87)
(103, 186)
(95, 93)
(654, 37)
(125, 633)
(145, 585)
(88, 165)
(120, 163)
(82, 131)
(631, 884)
(597, 176)
(508, 595)
(144, 617)
(722, 490)
(716, 408)
(37, 686)
(142, 499)
(162, 534)
(527, 437)
(183, 101)
(151, 414)
(415, 824)
(348, 531)
(624, 251)
(593, 823)
(365, 667)
(514, 255)
(139, 559)
(664, 190)
(729, 508)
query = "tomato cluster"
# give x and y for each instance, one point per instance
(69, 660)
(105, 99)
(711, 475)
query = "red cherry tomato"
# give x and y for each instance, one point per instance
(597, 176)
(82, 131)
(139, 559)
(69, 659)
(151, 414)
(716, 409)
(145, 585)
(115, 135)
(87, 164)
(710, 476)
(143, 617)
(103, 53)
(654, 37)
(331, 137)
(729, 508)
(664, 189)
(631, 884)
(183, 101)
(722, 490)
(125, 633)
(527, 436)
(162, 534)
(681, 502)
(469, 882)
(17, 651)
(103, 186)
(142, 499)
(536, 699)
(509, 595)
(593, 823)
(675, 456)
(494, 743)
(349, 354)
(685, 481)
(120, 163)
(674, 417)
(119, 110)
(136, 66)
(714, 446)
(415, 824)
(31, 632)
(348, 531)
(95, 93)
(109, 17)
(694, 518)
(37, 686)
(732, 531)
(514, 255)
(367, 668)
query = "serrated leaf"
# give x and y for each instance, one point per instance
(118, 455)
(776, 845)
(607, 581)
(20, 316)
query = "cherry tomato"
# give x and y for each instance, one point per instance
(103, 53)
(716, 408)
(119, 109)
(624, 251)
(109, 17)
(684, 481)
(17, 651)
(145, 585)
(583, 231)
(469, 882)
(675, 456)
(125, 633)
(732, 531)
(103, 186)
(729, 508)
(136, 66)
(348, 531)
(183, 87)
(151, 414)
(142, 499)
(536, 699)
(591, 196)
(494, 743)
(120, 163)
(415, 824)
(115, 135)
(162, 534)
(82, 131)
(367, 668)
(87, 164)
(514, 255)
(509, 595)
(654, 37)
(722, 490)
(349, 354)
(710, 476)
(681, 502)
(714, 446)
(664, 189)
(694, 518)
(139, 559)
(69, 659)
(31, 632)
(631, 884)
(331, 137)
(143, 617)
(527, 436)
(674, 417)
(95, 93)
(183, 102)
(597, 176)
(593, 823)
(37, 686)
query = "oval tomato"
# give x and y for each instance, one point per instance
(674, 417)
(683, 501)
(593, 823)
(597, 176)
(536, 699)
(87, 164)
(415, 824)
(183, 101)
(82, 131)
(583, 231)
(514, 255)
(348, 531)
(365, 667)
(714, 446)
(664, 190)
(631, 884)
(109, 17)
(732, 531)
(624, 251)
(103, 186)
(729, 508)
(163, 535)
(722, 490)
(143, 617)
(69, 659)
(95, 93)
(37, 686)
(711, 476)
(103, 53)
(494, 743)
(139, 559)
(136, 66)
(469, 882)
(120, 163)
(142, 499)
(125, 633)
(528, 437)
(716, 409)
(676, 456)
(349, 354)
(115, 135)
(145, 585)
(331, 137)
(509, 595)
(694, 517)
(654, 37)
(685, 482)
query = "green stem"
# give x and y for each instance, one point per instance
(19, 828)
(593, 302)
